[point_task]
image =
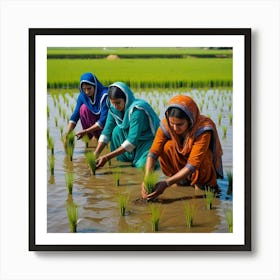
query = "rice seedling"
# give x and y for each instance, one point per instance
(230, 119)
(56, 121)
(70, 144)
(51, 144)
(150, 181)
(48, 112)
(51, 161)
(86, 140)
(224, 128)
(189, 213)
(59, 109)
(72, 214)
(229, 176)
(209, 197)
(69, 179)
(123, 201)
(61, 130)
(229, 219)
(220, 118)
(117, 175)
(64, 113)
(229, 106)
(91, 161)
(155, 215)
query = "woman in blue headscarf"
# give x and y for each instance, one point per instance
(91, 107)
(130, 127)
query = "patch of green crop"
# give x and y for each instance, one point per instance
(143, 73)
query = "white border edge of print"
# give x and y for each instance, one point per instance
(235, 238)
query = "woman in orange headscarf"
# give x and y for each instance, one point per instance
(187, 146)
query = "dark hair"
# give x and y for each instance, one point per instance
(115, 92)
(177, 113)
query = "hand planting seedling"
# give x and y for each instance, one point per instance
(150, 181)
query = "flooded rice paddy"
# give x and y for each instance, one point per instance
(97, 197)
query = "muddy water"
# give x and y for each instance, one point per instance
(97, 196)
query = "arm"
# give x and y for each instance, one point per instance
(104, 139)
(70, 127)
(198, 151)
(104, 112)
(154, 153)
(100, 123)
(83, 132)
(135, 129)
(103, 159)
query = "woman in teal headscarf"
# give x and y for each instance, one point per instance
(130, 127)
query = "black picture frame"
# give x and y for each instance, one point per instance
(244, 34)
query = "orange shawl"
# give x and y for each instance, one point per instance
(199, 125)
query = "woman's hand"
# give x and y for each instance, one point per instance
(143, 191)
(101, 161)
(81, 134)
(160, 188)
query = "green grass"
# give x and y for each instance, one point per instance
(186, 72)
(70, 144)
(85, 139)
(117, 175)
(209, 198)
(155, 215)
(135, 51)
(72, 214)
(123, 201)
(69, 179)
(91, 161)
(51, 162)
(189, 213)
(50, 143)
(150, 181)
(229, 219)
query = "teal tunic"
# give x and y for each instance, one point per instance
(134, 130)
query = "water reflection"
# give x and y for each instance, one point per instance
(97, 197)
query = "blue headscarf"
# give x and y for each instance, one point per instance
(130, 105)
(99, 94)
(98, 106)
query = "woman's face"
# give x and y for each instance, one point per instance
(179, 126)
(118, 103)
(88, 89)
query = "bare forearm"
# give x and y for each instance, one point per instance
(120, 150)
(150, 165)
(70, 127)
(182, 174)
(99, 148)
(93, 128)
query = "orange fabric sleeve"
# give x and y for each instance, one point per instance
(158, 143)
(199, 149)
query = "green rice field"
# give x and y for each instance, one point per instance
(197, 69)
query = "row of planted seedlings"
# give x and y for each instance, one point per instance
(150, 181)
(72, 207)
(219, 102)
(61, 106)
(216, 104)
(147, 85)
(190, 208)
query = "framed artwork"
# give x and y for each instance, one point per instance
(72, 206)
